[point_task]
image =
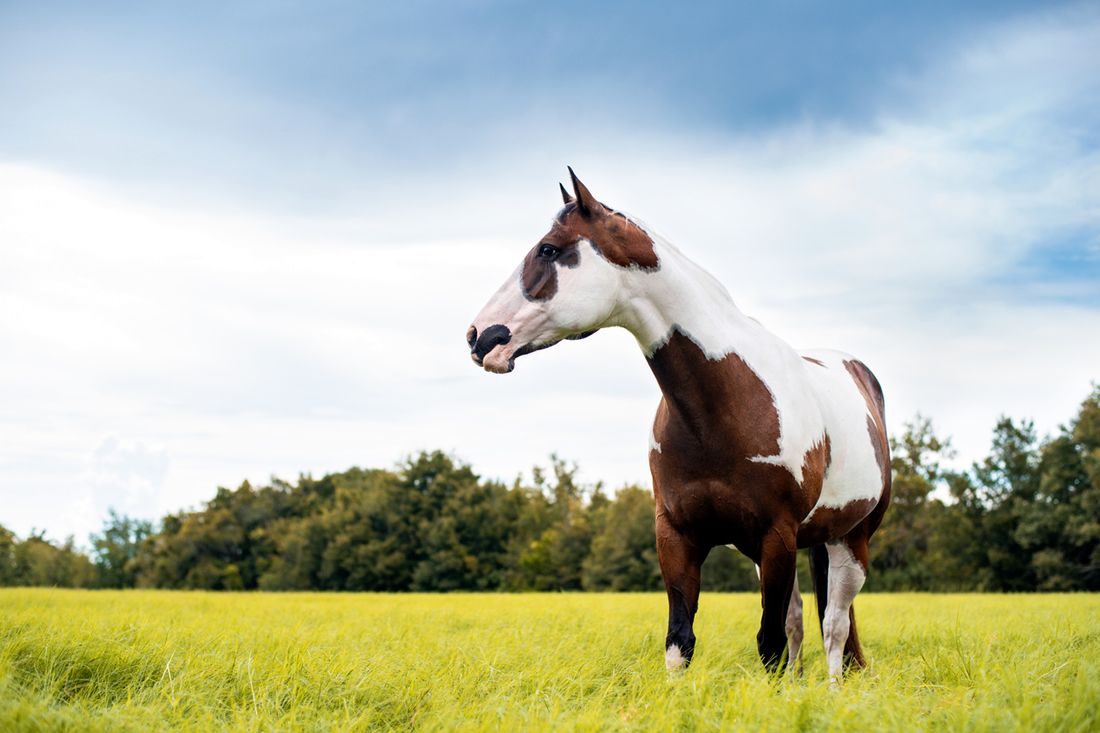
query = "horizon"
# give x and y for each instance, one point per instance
(240, 243)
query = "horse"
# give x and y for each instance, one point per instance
(755, 445)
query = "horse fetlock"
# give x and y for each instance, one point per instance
(675, 658)
(679, 649)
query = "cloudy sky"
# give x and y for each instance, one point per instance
(246, 239)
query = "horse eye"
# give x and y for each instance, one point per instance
(549, 252)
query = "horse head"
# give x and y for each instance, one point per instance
(571, 283)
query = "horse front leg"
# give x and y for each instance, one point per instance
(681, 563)
(777, 577)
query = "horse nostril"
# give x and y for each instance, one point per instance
(491, 338)
(471, 336)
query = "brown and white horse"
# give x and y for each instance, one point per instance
(755, 445)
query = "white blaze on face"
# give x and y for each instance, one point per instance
(585, 299)
(507, 306)
(588, 293)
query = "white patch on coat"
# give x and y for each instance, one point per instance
(854, 473)
(674, 659)
(846, 578)
(653, 444)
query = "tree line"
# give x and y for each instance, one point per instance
(1024, 518)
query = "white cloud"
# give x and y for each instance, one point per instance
(246, 344)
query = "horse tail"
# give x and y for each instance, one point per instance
(853, 652)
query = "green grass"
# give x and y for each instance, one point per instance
(147, 660)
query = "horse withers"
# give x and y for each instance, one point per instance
(754, 445)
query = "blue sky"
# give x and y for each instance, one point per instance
(239, 239)
(231, 95)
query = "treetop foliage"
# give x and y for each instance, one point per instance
(1026, 517)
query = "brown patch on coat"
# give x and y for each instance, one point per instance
(868, 386)
(814, 361)
(815, 465)
(618, 240)
(614, 237)
(540, 276)
(704, 401)
(828, 523)
(880, 442)
(876, 419)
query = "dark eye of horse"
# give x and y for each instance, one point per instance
(549, 252)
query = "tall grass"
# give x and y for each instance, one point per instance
(147, 660)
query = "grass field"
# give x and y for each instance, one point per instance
(143, 660)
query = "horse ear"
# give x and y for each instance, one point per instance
(586, 202)
(565, 195)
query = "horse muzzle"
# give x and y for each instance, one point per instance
(484, 349)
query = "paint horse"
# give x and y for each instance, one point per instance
(754, 445)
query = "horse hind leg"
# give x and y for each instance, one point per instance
(794, 629)
(847, 571)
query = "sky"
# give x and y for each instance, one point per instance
(244, 240)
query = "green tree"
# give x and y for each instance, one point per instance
(38, 562)
(727, 570)
(562, 526)
(7, 556)
(901, 543)
(623, 554)
(1003, 488)
(224, 546)
(1060, 529)
(466, 544)
(116, 548)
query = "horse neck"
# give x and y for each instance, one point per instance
(687, 324)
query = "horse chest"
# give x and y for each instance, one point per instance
(708, 481)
